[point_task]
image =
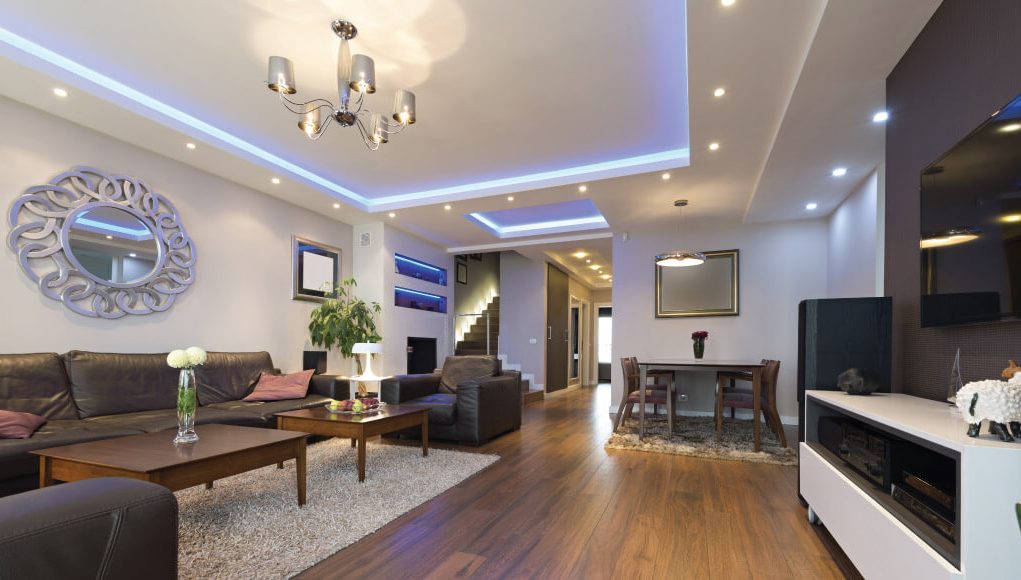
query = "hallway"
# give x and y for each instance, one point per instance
(559, 506)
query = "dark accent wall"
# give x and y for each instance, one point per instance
(963, 66)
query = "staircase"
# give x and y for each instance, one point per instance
(474, 341)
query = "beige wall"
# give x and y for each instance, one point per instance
(241, 299)
(855, 261)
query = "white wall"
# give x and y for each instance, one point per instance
(855, 262)
(780, 264)
(241, 299)
(483, 285)
(523, 313)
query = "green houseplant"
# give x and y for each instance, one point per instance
(343, 320)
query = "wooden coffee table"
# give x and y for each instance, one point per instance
(221, 451)
(319, 421)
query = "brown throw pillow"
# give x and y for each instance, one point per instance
(458, 369)
(281, 387)
(15, 425)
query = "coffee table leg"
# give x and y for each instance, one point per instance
(209, 485)
(300, 468)
(354, 442)
(425, 434)
(361, 457)
(280, 465)
(45, 472)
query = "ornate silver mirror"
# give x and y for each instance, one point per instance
(104, 245)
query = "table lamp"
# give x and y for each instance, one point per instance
(368, 349)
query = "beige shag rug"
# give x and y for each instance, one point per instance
(250, 525)
(696, 436)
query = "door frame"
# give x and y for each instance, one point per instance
(584, 345)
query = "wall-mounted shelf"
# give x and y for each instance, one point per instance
(408, 298)
(420, 270)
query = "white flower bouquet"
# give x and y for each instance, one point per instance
(187, 359)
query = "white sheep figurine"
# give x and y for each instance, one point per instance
(997, 401)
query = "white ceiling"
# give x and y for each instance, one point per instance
(504, 89)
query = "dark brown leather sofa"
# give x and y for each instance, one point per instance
(474, 411)
(97, 528)
(86, 396)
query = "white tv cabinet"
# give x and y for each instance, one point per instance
(883, 545)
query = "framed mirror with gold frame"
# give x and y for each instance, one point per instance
(709, 289)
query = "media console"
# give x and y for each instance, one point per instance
(905, 492)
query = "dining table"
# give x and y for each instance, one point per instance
(704, 365)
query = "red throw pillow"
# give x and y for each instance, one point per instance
(15, 425)
(281, 387)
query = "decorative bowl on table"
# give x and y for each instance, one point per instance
(355, 406)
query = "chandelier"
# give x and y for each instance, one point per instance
(680, 258)
(354, 74)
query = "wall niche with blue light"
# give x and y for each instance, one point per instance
(408, 298)
(420, 270)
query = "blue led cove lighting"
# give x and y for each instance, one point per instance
(426, 294)
(598, 221)
(417, 263)
(142, 234)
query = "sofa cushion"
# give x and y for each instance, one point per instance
(15, 425)
(36, 383)
(163, 419)
(266, 409)
(229, 376)
(281, 387)
(442, 407)
(109, 384)
(457, 369)
(15, 459)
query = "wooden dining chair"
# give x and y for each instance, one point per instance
(741, 397)
(657, 392)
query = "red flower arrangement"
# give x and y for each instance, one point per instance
(703, 334)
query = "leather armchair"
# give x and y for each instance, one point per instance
(480, 409)
(332, 386)
(96, 528)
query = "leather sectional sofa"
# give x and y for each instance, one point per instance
(471, 410)
(87, 396)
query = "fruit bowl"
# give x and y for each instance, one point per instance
(349, 407)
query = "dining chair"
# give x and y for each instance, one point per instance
(660, 391)
(742, 398)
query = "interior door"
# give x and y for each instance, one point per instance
(558, 302)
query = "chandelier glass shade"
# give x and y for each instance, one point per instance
(355, 74)
(680, 258)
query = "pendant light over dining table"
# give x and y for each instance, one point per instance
(680, 258)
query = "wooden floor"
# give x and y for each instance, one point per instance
(560, 506)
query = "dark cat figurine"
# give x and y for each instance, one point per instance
(858, 381)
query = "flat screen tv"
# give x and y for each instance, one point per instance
(971, 226)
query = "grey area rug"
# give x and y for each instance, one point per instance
(696, 437)
(250, 525)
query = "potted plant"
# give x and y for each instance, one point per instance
(343, 320)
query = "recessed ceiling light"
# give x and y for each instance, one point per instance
(275, 180)
(580, 254)
(447, 207)
(510, 198)
(727, 2)
(583, 188)
(880, 117)
(392, 214)
(605, 276)
(714, 146)
(588, 261)
(810, 206)
(839, 171)
(132, 255)
(109, 237)
(336, 206)
(1013, 218)
(595, 267)
(665, 177)
(1010, 128)
(60, 92)
(189, 145)
(719, 92)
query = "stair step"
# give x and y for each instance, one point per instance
(533, 395)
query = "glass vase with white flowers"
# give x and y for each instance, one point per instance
(187, 399)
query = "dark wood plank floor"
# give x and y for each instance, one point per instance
(560, 506)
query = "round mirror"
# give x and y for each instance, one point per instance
(113, 245)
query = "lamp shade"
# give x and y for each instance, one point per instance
(377, 129)
(404, 107)
(281, 75)
(363, 74)
(680, 259)
(367, 348)
(311, 122)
